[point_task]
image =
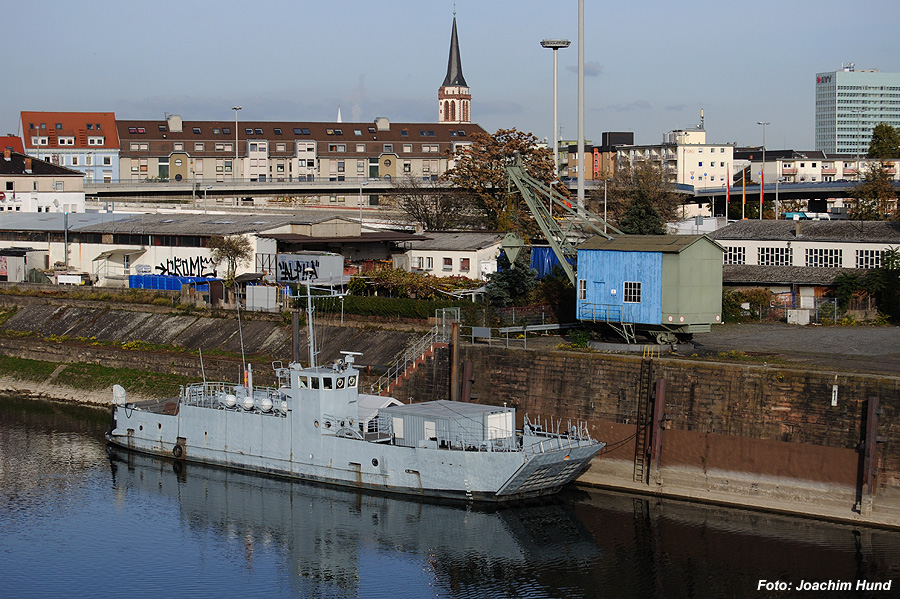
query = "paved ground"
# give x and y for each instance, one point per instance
(859, 348)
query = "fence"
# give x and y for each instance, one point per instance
(821, 310)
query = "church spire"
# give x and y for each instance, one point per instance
(454, 64)
(454, 99)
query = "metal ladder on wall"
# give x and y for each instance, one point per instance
(642, 435)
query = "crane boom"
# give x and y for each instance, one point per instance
(580, 222)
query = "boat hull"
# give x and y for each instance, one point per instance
(271, 444)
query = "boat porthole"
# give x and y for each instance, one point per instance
(374, 461)
(327, 424)
(316, 423)
(342, 423)
(160, 425)
(351, 422)
(141, 427)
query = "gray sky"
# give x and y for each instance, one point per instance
(650, 66)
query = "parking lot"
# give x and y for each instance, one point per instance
(848, 348)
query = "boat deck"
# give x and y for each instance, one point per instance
(167, 405)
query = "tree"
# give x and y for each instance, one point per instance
(639, 188)
(231, 250)
(425, 204)
(480, 170)
(511, 286)
(882, 283)
(885, 142)
(641, 218)
(875, 195)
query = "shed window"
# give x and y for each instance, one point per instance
(582, 289)
(632, 293)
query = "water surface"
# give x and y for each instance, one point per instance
(78, 522)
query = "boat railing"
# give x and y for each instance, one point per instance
(207, 394)
(212, 394)
(556, 442)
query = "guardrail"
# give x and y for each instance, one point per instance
(413, 352)
(600, 312)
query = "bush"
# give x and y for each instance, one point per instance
(732, 310)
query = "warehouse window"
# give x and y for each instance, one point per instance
(823, 258)
(735, 255)
(775, 256)
(632, 293)
(868, 258)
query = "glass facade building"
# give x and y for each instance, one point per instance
(849, 103)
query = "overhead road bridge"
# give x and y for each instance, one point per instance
(350, 186)
(811, 190)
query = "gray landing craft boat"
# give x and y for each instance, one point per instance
(310, 427)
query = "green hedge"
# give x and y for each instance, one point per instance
(389, 307)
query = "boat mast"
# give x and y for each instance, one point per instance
(309, 319)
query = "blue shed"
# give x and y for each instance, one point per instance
(666, 286)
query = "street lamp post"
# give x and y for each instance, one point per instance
(555, 45)
(580, 106)
(361, 183)
(234, 168)
(762, 172)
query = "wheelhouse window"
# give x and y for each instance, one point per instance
(632, 292)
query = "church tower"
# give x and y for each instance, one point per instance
(454, 99)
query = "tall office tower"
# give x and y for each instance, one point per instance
(849, 103)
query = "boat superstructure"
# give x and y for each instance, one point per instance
(309, 427)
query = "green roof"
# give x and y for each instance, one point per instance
(644, 243)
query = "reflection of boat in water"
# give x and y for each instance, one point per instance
(309, 428)
(325, 532)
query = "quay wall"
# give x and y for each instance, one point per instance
(750, 434)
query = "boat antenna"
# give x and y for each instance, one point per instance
(309, 318)
(240, 330)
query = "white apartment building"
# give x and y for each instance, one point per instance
(470, 254)
(686, 158)
(31, 185)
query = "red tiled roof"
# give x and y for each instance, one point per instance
(79, 125)
(11, 142)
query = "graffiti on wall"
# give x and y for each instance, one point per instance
(292, 269)
(187, 267)
(324, 268)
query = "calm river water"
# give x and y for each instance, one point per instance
(77, 522)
